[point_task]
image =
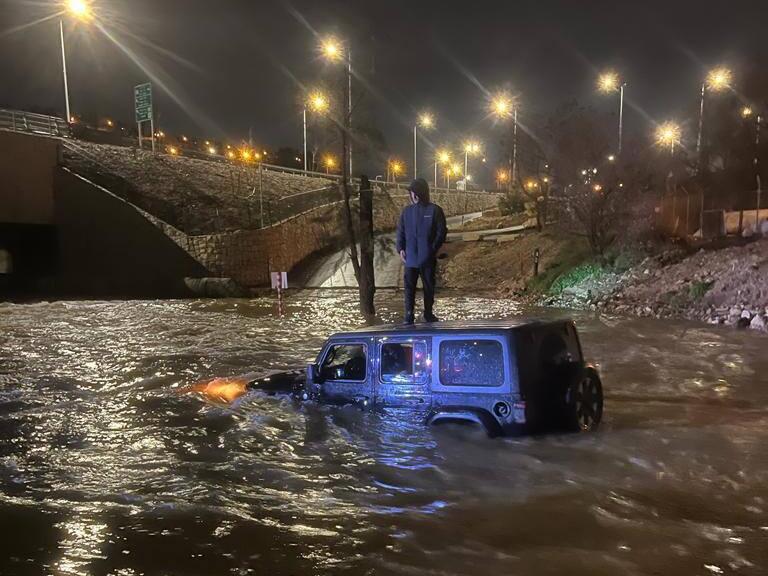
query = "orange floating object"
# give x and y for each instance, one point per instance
(220, 389)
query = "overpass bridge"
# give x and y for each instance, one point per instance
(86, 220)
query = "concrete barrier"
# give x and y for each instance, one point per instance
(26, 183)
(109, 248)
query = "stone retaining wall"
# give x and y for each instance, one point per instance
(248, 256)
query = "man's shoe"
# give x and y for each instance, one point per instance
(430, 318)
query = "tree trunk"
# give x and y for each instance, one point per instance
(365, 283)
(348, 221)
(366, 280)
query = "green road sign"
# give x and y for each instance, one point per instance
(142, 97)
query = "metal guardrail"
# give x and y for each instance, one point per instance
(20, 121)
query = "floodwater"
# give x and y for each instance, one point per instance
(106, 469)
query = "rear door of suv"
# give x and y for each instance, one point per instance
(403, 371)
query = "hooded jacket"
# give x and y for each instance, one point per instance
(421, 232)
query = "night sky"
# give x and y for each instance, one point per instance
(239, 64)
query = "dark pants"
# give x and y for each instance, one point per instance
(410, 277)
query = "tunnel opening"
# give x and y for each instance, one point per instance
(28, 256)
(6, 261)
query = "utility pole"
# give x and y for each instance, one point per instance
(304, 121)
(756, 163)
(349, 103)
(514, 144)
(621, 114)
(64, 70)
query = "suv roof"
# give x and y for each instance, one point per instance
(450, 326)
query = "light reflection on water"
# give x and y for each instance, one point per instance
(106, 469)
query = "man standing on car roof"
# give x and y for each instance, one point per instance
(421, 232)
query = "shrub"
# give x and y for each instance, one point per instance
(511, 203)
(575, 276)
(697, 289)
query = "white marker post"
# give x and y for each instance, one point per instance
(279, 283)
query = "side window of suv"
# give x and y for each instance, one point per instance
(471, 363)
(345, 362)
(404, 362)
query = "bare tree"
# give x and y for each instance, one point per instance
(595, 187)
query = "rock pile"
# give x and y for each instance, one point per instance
(726, 286)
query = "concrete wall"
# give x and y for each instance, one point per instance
(108, 247)
(26, 168)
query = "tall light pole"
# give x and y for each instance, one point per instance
(317, 102)
(82, 11)
(502, 176)
(335, 51)
(668, 134)
(746, 113)
(503, 106)
(514, 144)
(394, 169)
(757, 169)
(470, 147)
(717, 80)
(424, 121)
(442, 157)
(608, 83)
(453, 169)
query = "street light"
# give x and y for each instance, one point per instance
(470, 147)
(716, 80)
(334, 50)
(424, 121)
(331, 49)
(80, 10)
(317, 102)
(668, 134)
(453, 170)
(608, 83)
(442, 157)
(395, 168)
(502, 176)
(502, 107)
(719, 79)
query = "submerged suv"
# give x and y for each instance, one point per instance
(509, 376)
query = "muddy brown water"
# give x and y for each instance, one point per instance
(106, 469)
